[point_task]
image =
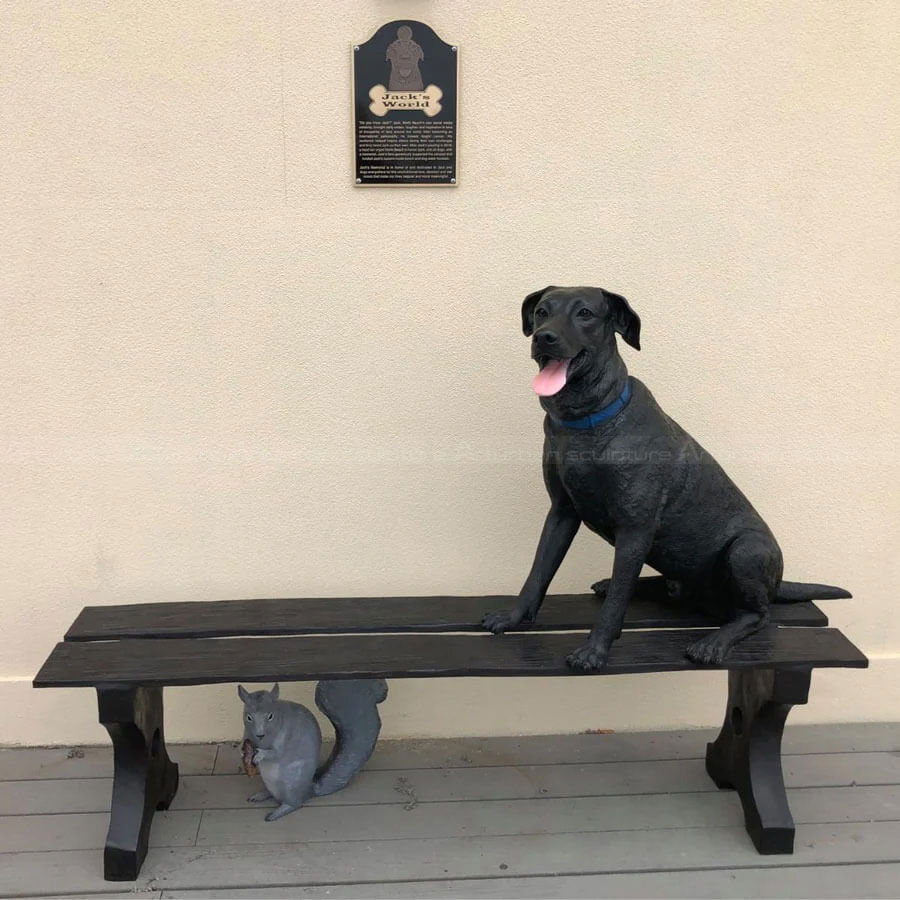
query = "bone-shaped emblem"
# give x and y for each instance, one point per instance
(383, 100)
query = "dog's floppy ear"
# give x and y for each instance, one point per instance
(626, 321)
(528, 305)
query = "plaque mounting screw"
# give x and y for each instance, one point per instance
(359, 180)
(452, 181)
(356, 48)
(452, 48)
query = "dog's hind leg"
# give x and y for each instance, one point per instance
(712, 649)
(754, 567)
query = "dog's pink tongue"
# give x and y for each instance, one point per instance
(551, 379)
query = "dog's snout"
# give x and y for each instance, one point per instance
(546, 338)
(260, 734)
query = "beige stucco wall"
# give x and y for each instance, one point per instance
(227, 372)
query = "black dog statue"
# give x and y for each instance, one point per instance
(615, 461)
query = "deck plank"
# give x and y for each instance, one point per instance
(20, 763)
(86, 831)
(231, 868)
(874, 880)
(453, 784)
(635, 812)
(115, 895)
(548, 749)
(543, 749)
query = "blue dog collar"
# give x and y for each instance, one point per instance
(602, 415)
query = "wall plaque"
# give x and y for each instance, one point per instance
(404, 107)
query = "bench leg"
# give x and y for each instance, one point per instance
(746, 755)
(145, 779)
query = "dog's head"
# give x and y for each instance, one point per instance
(573, 332)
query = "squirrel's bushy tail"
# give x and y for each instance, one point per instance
(798, 591)
(352, 706)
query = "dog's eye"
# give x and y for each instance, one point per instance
(584, 313)
(540, 313)
(270, 716)
(249, 718)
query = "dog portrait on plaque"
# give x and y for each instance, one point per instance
(404, 107)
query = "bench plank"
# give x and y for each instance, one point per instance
(330, 615)
(208, 661)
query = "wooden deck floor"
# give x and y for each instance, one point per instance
(625, 815)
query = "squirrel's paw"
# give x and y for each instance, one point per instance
(260, 797)
(282, 810)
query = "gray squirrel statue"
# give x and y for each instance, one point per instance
(283, 740)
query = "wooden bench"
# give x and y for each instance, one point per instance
(130, 653)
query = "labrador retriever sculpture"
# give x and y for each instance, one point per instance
(615, 461)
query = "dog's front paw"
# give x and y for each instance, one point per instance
(501, 621)
(600, 587)
(708, 651)
(587, 658)
(259, 797)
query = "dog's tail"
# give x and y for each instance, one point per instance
(798, 591)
